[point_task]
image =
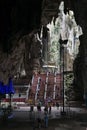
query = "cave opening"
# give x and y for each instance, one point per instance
(32, 50)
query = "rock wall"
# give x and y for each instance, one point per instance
(18, 20)
(80, 64)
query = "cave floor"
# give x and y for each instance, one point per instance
(55, 124)
(74, 121)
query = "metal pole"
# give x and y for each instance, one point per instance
(62, 51)
(10, 102)
(63, 75)
(62, 71)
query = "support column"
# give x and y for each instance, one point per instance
(45, 91)
(54, 91)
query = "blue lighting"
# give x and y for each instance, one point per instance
(7, 89)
